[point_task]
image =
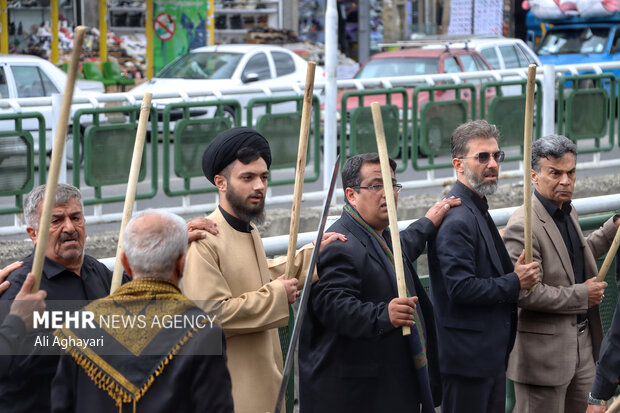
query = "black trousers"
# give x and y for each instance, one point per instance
(471, 394)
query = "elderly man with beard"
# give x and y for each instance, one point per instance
(231, 270)
(474, 284)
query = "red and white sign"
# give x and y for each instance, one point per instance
(164, 26)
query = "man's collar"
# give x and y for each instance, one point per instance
(552, 208)
(235, 222)
(52, 268)
(480, 202)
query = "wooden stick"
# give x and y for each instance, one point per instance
(302, 151)
(609, 258)
(57, 152)
(614, 407)
(527, 164)
(386, 173)
(132, 184)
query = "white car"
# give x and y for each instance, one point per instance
(502, 53)
(230, 66)
(25, 76)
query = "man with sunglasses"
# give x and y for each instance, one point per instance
(559, 331)
(352, 354)
(474, 284)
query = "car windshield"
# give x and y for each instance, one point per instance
(574, 40)
(202, 65)
(399, 66)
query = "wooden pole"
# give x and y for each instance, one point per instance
(130, 197)
(59, 148)
(301, 167)
(527, 161)
(615, 406)
(386, 173)
(527, 164)
(609, 258)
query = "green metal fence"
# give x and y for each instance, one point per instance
(108, 149)
(282, 132)
(508, 113)
(17, 158)
(586, 114)
(191, 136)
(442, 109)
(358, 125)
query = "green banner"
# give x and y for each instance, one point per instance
(178, 27)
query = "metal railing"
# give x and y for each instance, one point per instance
(161, 100)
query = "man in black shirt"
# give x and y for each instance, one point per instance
(68, 274)
(559, 331)
(474, 284)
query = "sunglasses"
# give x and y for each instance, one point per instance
(485, 157)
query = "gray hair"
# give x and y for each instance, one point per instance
(551, 146)
(468, 131)
(64, 193)
(152, 250)
(351, 170)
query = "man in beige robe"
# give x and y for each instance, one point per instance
(231, 268)
(559, 331)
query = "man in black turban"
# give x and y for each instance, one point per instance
(231, 269)
(249, 151)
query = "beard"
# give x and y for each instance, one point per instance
(477, 181)
(242, 207)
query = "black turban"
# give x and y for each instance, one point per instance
(223, 149)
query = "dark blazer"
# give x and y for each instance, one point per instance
(474, 295)
(351, 358)
(608, 366)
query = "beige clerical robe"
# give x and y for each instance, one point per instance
(231, 268)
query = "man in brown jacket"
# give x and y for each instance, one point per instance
(559, 331)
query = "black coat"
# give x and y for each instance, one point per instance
(608, 366)
(190, 382)
(474, 293)
(351, 358)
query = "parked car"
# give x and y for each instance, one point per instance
(502, 53)
(24, 76)
(230, 66)
(417, 61)
(420, 61)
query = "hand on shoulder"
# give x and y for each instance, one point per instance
(4, 273)
(438, 211)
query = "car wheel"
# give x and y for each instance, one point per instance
(69, 148)
(586, 84)
(229, 113)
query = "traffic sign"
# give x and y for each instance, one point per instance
(164, 26)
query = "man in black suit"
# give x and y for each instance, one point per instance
(352, 354)
(474, 286)
(607, 369)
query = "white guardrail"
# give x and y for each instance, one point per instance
(330, 138)
(278, 245)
